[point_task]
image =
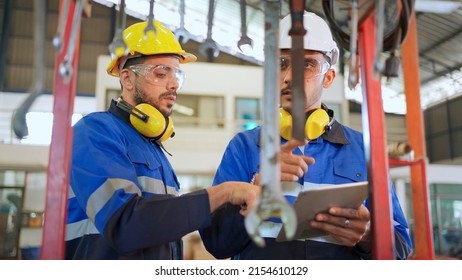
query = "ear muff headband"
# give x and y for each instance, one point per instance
(317, 122)
(148, 121)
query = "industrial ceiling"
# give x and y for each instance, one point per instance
(439, 31)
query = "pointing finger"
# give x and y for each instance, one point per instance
(290, 145)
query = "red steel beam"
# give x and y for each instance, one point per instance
(372, 106)
(423, 238)
(60, 150)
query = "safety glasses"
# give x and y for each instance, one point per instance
(313, 67)
(158, 74)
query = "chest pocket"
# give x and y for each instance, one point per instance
(143, 161)
(154, 177)
(346, 171)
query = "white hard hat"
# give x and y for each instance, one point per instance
(318, 36)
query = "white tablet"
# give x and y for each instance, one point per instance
(320, 199)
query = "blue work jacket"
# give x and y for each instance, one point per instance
(123, 198)
(339, 158)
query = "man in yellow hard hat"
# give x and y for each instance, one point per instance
(124, 198)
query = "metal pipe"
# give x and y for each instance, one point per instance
(4, 41)
(18, 122)
(297, 53)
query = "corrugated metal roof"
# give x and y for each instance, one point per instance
(439, 38)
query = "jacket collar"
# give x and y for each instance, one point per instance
(121, 114)
(334, 133)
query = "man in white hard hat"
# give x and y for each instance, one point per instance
(336, 157)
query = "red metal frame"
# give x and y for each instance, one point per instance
(423, 237)
(60, 150)
(423, 245)
(382, 229)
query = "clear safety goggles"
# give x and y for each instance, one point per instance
(313, 66)
(158, 74)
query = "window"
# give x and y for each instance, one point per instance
(199, 111)
(11, 200)
(336, 107)
(446, 216)
(247, 113)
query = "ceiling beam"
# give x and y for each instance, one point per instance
(440, 42)
(433, 61)
(448, 69)
(439, 74)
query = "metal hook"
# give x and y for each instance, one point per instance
(380, 18)
(244, 40)
(182, 33)
(352, 78)
(65, 68)
(210, 48)
(150, 26)
(118, 48)
(58, 38)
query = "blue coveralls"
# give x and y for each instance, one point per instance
(339, 158)
(123, 199)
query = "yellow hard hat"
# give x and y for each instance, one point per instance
(139, 43)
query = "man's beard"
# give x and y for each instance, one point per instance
(141, 96)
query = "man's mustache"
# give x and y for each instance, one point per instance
(168, 93)
(286, 90)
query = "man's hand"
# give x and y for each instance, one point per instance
(348, 226)
(293, 167)
(236, 193)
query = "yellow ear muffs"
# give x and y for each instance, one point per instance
(168, 133)
(315, 125)
(153, 125)
(148, 121)
(285, 124)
